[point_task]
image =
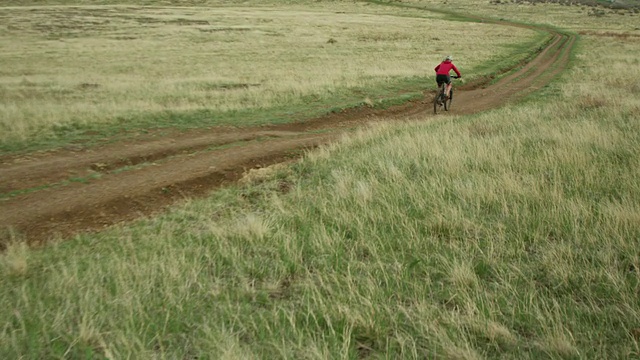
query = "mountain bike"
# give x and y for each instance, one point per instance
(440, 101)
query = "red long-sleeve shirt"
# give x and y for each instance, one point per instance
(444, 67)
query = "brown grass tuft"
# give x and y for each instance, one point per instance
(14, 261)
(592, 102)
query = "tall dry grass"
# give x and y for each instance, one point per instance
(511, 234)
(578, 17)
(69, 68)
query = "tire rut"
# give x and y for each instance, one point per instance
(167, 168)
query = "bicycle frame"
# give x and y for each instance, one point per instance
(440, 100)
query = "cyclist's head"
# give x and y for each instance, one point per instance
(448, 58)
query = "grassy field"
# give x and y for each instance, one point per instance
(71, 73)
(576, 17)
(509, 234)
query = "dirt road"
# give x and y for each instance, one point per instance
(164, 169)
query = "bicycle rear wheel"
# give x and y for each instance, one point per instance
(447, 103)
(438, 101)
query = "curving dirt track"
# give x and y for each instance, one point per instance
(164, 169)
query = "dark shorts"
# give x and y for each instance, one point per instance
(443, 79)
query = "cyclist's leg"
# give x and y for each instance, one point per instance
(438, 84)
(441, 80)
(448, 86)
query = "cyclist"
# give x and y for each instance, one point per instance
(442, 73)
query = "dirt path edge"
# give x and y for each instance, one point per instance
(169, 169)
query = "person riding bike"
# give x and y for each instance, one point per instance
(442, 73)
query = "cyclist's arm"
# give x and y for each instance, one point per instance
(456, 70)
(437, 67)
